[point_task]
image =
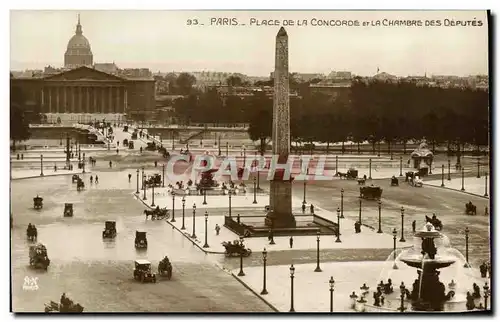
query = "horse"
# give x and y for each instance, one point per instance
(151, 213)
(342, 175)
(32, 233)
(470, 209)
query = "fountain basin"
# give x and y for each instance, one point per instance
(416, 261)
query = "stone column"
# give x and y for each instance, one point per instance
(94, 99)
(110, 99)
(50, 99)
(101, 94)
(43, 102)
(125, 103)
(88, 100)
(118, 97)
(65, 99)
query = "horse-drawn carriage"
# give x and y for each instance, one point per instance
(65, 306)
(351, 174)
(125, 128)
(109, 229)
(38, 256)
(68, 210)
(154, 180)
(164, 152)
(125, 143)
(414, 179)
(134, 135)
(38, 202)
(165, 268)
(370, 192)
(31, 232)
(236, 248)
(157, 213)
(131, 145)
(470, 209)
(150, 146)
(141, 242)
(394, 181)
(80, 185)
(438, 225)
(142, 271)
(74, 178)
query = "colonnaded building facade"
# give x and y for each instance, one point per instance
(80, 92)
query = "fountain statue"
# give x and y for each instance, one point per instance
(428, 293)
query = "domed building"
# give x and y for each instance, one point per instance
(78, 52)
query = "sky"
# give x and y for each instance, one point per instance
(163, 41)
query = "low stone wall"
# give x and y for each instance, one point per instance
(320, 221)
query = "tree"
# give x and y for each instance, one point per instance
(185, 83)
(19, 124)
(234, 81)
(261, 122)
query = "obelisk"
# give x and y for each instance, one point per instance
(280, 214)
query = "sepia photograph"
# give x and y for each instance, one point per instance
(246, 161)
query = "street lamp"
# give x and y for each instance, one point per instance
(83, 163)
(463, 189)
(163, 175)
(218, 145)
(153, 195)
(229, 194)
(401, 166)
(305, 183)
(337, 164)
(206, 230)
(292, 272)
(144, 186)
(360, 205)
(486, 295)
(41, 165)
(466, 265)
(204, 196)
(137, 189)
(338, 226)
(478, 165)
(332, 284)
(402, 288)
(264, 261)
(342, 203)
(442, 175)
(370, 168)
(394, 235)
(379, 231)
(173, 206)
(402, 240)
(142, 178)
(194, 222)
(241, 273)
(318, 269)
(227, 148)
(449, 169)
(183, 209)
(486, 184)
(254, 190)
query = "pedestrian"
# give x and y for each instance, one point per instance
(55, 168)
(303, 207)
(140, 150)
(217, 229)
(414, 225)
(116, 151)
(156, 164)
(291, 241)
(312, 209)
(117, 143)
(129, 177)
(22, 156)
(110, 164)
(96, 179)
(91, 179)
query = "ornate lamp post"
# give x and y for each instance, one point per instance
(370, 168)
(227, 148)
(83, 163)
(163, 175)
(360, 205)
(318, 269)
(254, 190)
(264, 262)
(332, 284)
(41, 165)
(173, 207)
(478, 165)
(463, 189)
(449, 169)
(486, 295)
(401, 166)
(218, 145)
(229, 193)
(137, 189)
(143, 178)
(194, 221)
(394, 235)
(402, 288)
(486, 184)
(305, 183)
(342, 203)
(292, 273)
(402, 240)
(206, 230)
(466, 247)
(337, 164)
(338, 226)
(379, 231)
(144, 187)
(204, 196)
(183, 211)
(241, 273)
(153, 195)
(442, 175)
(258, 178)
(173, 143)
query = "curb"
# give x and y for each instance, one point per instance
(457, 190)
(254, 292)
(48, 175)
(180, 231)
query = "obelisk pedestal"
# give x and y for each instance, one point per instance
(280, 214)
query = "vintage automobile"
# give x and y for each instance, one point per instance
(141, 241)
(151, 146)
(352, 174)
(125, 128)
(74, 178)
(31, 232)
(80, 185)
(154, 180)
(236, 248)
(38, 202)
(394, 181)
(164, 152)
(142, 271)
(157, 213)
(438, 225)
(109, 229)
(65, 306)
(370, 192)
(134, 135)
(125, 142)
(38, 256)
(409, 176)
(68, 210)
(417, 181)
(130, 144)
(470, 209)
(165, 268)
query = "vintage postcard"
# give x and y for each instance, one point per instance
(250, 161)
